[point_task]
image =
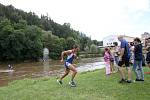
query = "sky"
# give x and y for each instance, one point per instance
(96, 18)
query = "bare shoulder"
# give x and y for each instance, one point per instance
(68, 52)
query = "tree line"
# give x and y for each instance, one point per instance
(24, 35)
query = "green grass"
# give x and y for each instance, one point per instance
(91, 86)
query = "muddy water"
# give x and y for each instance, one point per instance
(39, 69)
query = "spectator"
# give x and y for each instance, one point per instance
(116, 55)
(124, 60)
(107, 61)
(137, 66)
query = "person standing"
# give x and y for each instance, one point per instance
(124, 60)
(69, 66)
(131, 46)
(111, 50)
(137, 66)
(107, 61)
(116, 54)
(148, 53)
(45, 54)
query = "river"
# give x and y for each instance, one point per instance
(40, 69)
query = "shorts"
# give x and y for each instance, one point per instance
(125, 62)
(67, 64)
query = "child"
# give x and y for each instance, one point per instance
(107, 61)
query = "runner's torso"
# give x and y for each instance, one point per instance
(70, 57)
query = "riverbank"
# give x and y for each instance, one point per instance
(91, 86)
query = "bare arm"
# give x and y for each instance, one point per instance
(121, 53)
(65, 53)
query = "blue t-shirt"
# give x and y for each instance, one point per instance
(125, 45)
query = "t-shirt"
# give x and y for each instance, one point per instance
(125, 45)
(106, 57)
(138, 52)
(45, 51)
(116, 51)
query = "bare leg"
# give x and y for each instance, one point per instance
(66, 73)
(111, 67)
(129, 73)
(121, 70)
(149, 65)
(74, 71)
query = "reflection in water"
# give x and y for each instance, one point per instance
(47, 68)
(10, 76)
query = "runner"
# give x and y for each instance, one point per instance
(71, 55)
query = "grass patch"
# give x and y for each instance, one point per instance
(91, 86)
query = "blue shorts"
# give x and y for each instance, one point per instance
(67, 64)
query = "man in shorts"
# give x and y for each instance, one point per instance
(71, 55)
(124, 59)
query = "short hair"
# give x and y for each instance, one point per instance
(75, 46)
(115, 43)
(137, 39)
(106, 49)
(120, 36)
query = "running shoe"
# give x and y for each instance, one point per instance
(72, 84)
(122, 81)
(60, 82)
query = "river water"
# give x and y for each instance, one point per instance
(40, 69)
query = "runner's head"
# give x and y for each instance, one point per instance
(76, 48)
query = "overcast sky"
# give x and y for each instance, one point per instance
(95, 18)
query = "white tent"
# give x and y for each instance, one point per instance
(109, 40)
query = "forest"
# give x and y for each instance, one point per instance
(23, 35)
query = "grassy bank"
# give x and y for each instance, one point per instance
(91, 86)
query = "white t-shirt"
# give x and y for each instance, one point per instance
(46, 51)
(116, 51)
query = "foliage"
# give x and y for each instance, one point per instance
(93, 48)
(23, 35)
(19, 43)
(87, 49)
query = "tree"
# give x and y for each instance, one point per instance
(33, 44)
(87, 49)
(21, 25)
(70, 42)
(22, 35)
(93, 48)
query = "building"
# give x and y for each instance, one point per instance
(144, 36)
(109, 40)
